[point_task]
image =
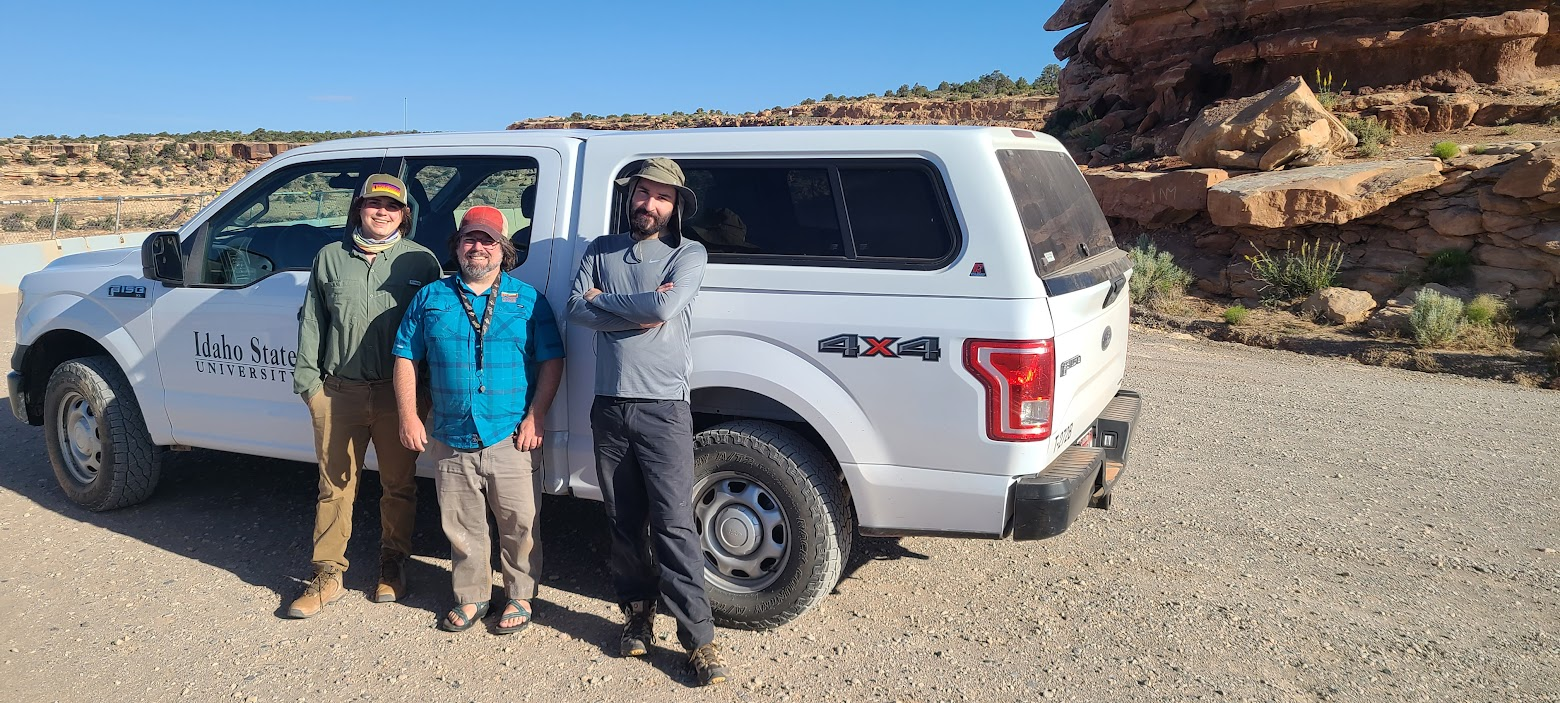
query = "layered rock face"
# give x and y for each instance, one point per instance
(1154, 63)
(1502, 207)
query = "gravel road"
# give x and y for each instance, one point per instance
(1289, 529)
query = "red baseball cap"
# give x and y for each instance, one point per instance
(486, 219)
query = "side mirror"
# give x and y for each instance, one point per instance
(161, 259)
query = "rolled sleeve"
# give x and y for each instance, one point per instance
(409, 342)
(544, 339)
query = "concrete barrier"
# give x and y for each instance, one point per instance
(17, 260)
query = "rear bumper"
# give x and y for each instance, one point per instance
(1045, 504)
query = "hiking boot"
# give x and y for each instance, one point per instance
(707, 664)
(392, 579)
(639, 631)
(325, 588)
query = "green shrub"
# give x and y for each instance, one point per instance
(1448, 267)
(1369, 130)
(13, 222)
(1436, 318)
(1508, 130)
(1293, 274)
(1446, 150)
(1369, 150)
(28, 180)
(1156, 279)
(1485, 310)
(1236, 315)
(1553, 355)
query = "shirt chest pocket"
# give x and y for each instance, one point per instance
(446, 320)
(396, 294)
(509, 325)
(344, 295)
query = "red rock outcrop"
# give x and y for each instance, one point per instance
(1161, 61)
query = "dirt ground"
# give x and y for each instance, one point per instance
(1289, 529)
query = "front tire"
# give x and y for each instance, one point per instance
(773, 523)
(102, 455)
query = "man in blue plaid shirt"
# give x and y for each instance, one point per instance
(494, 362)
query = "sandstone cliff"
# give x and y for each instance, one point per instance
(1022, 112)
(1150, 65)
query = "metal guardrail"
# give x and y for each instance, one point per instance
(44, 219)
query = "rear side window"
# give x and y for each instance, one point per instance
(817, 212)
(1061, 219)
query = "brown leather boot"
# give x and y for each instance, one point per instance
(707, 664)
(325, 588)
(392, 579)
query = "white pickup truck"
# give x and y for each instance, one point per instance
(902, 331)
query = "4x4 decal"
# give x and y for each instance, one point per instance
(850, 347)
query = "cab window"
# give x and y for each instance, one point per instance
(281, 223)
(444, 188)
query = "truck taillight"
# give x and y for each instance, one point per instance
(1020, 377)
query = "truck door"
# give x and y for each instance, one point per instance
(226, 341)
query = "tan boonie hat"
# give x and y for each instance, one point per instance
(384, 185)
(666, 171)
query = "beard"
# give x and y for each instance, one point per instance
(645, 224)
(474, 270)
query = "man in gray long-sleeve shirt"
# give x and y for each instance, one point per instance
(636, 291)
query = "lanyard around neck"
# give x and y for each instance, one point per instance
(481, 327)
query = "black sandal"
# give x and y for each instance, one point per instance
(449, 624)
(520, 612)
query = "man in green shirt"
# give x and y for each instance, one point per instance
(358, 290)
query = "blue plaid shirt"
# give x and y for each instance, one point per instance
(522, 334)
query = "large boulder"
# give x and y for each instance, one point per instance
(1339, 305)
(1537, 175)
(1331, 194)
(1154, 198)
(1278, 125)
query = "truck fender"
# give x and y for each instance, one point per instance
(85, 316)
(794, 379)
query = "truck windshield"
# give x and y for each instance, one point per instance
(1062, 221)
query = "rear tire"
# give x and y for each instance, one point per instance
(773, 523)
(102, 455)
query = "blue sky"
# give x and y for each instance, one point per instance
(119, 67)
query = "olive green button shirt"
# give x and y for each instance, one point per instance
(353, 308)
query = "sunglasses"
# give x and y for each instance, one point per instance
(391, 205)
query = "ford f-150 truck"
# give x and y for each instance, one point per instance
(901, 331)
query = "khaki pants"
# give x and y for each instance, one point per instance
(347, 416)
(469, 483)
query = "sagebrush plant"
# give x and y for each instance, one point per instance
(1508, 130)
(1236, 314)
(1370, 132)
(1436, 318)
(1293, 274)
(1553, 355)
(1156, 278)
(1448, 267)
(1446, 150)
(1485, 309)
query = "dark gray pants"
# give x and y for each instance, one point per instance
(644, 461)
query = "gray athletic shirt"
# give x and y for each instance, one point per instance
(632, 362)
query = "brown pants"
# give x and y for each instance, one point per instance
(469, 483)
(347, 416)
